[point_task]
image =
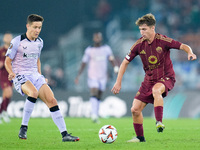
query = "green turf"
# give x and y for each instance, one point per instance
(42, 134)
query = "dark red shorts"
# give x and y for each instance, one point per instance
(144, 94)
(4, 82)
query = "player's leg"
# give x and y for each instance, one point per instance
(47, 96)
(94, 90)
(137, 116)
(29, 89)
(7, 94)
(95, 101)
(157, 91)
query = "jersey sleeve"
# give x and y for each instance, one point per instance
(133, 52)
(86, 56)
(175, 44)
(41, 46)
(171, 43)
(12, 50)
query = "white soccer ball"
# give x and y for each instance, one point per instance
(108, 134)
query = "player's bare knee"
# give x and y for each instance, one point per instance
(33, 93)
(135, 111)
(52, 101)
(156, 92)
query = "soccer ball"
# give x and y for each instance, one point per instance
(108, 134)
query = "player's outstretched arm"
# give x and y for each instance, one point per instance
(117, 86)
(188, 50)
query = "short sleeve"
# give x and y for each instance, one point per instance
(175, 44)
(41, 46)
(109, 50)
(12, 50)
(86, 55)
(133, 52)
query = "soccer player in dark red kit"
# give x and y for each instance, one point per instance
(154, 51)
(6, 85)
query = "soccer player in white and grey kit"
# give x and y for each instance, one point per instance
(97, 57)
(24, 68)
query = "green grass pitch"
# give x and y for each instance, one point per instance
(180, 134)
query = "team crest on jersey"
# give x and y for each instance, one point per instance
(153, 59)
(159, 49)
(11, 46)
(142, 52)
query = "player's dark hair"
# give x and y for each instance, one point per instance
(148, 19)
(34, 18)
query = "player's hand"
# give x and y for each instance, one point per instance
(11, 76)
(116, 88)
(192, 57)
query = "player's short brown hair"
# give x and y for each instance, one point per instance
(148, 19)
(33, 18)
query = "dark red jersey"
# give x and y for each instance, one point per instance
(2, 56)
(155, 56)
(4, 82)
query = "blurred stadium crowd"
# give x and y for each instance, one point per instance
(116, 20)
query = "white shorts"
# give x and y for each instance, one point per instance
(99, 84)
(36, 79)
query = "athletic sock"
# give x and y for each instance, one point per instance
(58, 119)
(95, 107)
(158, 113)
(28, 109)
(7, 101)
(4, 104)
(1, 107)
(138, 129)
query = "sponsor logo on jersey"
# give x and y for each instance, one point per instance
(30, 55)
(152, 59)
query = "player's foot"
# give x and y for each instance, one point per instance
(22, 133)
(70, 138)
(137, 139)
(160, 126)
(96, 121)
(5, 116)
